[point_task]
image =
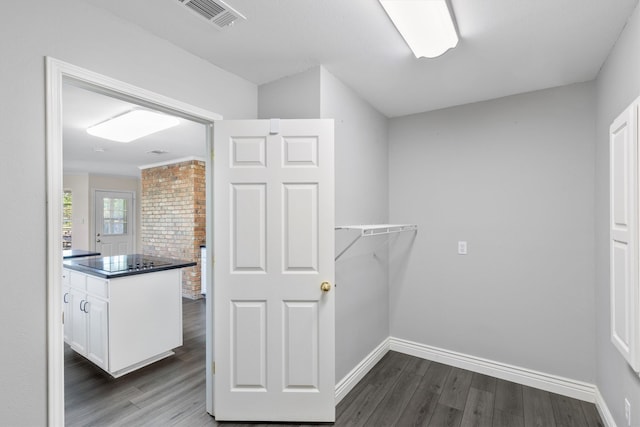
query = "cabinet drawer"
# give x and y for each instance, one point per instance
(66, 281)
(98, 287)
(77, 280)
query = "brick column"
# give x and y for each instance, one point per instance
(174, 216)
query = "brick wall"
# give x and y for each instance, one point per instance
(174, 217)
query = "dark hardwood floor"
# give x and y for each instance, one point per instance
(400, 390)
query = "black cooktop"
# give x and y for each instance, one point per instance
(118, 263)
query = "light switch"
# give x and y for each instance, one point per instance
(462, 247)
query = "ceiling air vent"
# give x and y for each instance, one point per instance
(217, 12)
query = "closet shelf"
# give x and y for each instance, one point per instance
(374, 230)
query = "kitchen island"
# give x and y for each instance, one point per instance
(123, 312)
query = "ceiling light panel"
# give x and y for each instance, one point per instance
(426, 25)
(133, 125)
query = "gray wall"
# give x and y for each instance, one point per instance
(78, 33)
(514, 177)
(617, 86)
(362, 302)
(294, 97)
(361, 197)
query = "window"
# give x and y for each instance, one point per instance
(66, 219)
(115, 216)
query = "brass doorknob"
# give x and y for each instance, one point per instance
(325, 286)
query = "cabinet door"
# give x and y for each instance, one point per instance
(78, 334)
(68, 313)
(98, 327)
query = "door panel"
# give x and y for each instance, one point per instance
(300, 216)
(249, 225)
(274, 246)
(249, 351)
(301, 365)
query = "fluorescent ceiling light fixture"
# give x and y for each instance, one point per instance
(132, 125)
(426, 25)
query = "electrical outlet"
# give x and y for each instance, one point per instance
(627, 411)
(462, 248)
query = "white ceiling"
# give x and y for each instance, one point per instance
(83, 108)
(506, 47)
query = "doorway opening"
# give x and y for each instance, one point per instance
(60, 74)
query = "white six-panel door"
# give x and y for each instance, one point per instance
(625, 295)
(274, 247)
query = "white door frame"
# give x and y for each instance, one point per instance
(56, 72)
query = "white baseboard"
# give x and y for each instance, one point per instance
(553, 383)
(350, 380)
(603, 410)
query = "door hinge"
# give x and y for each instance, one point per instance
(213, 368)
(63, 317)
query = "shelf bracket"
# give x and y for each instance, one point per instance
(374, 230)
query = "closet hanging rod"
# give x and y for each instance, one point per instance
(373, 230)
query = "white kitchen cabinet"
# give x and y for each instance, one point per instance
(87, 320)
(122, 324)
(66, 304)
(78, 329)
(96, 312)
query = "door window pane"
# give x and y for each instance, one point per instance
(66, 220)
(115, 216)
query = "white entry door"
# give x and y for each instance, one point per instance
(274, 247)
(114, 231)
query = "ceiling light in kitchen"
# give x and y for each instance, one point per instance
(426, 25)
(132, 125)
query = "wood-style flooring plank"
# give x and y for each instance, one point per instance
(381, 383)
(390, 408)
(567, 411)
(483, 382)
(445, 416)
(420, 408)
(358, 388)
(436, 377)
(478, 411)
(456, 388)
(509, 398)
(506, 419)
(591, 415)
(538, 411)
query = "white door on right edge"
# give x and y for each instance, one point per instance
(273, 271)
(625, 310)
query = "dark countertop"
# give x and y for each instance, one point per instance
(77, 253)
(125, 265)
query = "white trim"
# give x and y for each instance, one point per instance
(55, 334)
(56, 72)
(603, 410)
(346, 384)
(548, 382)
(172, 162)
